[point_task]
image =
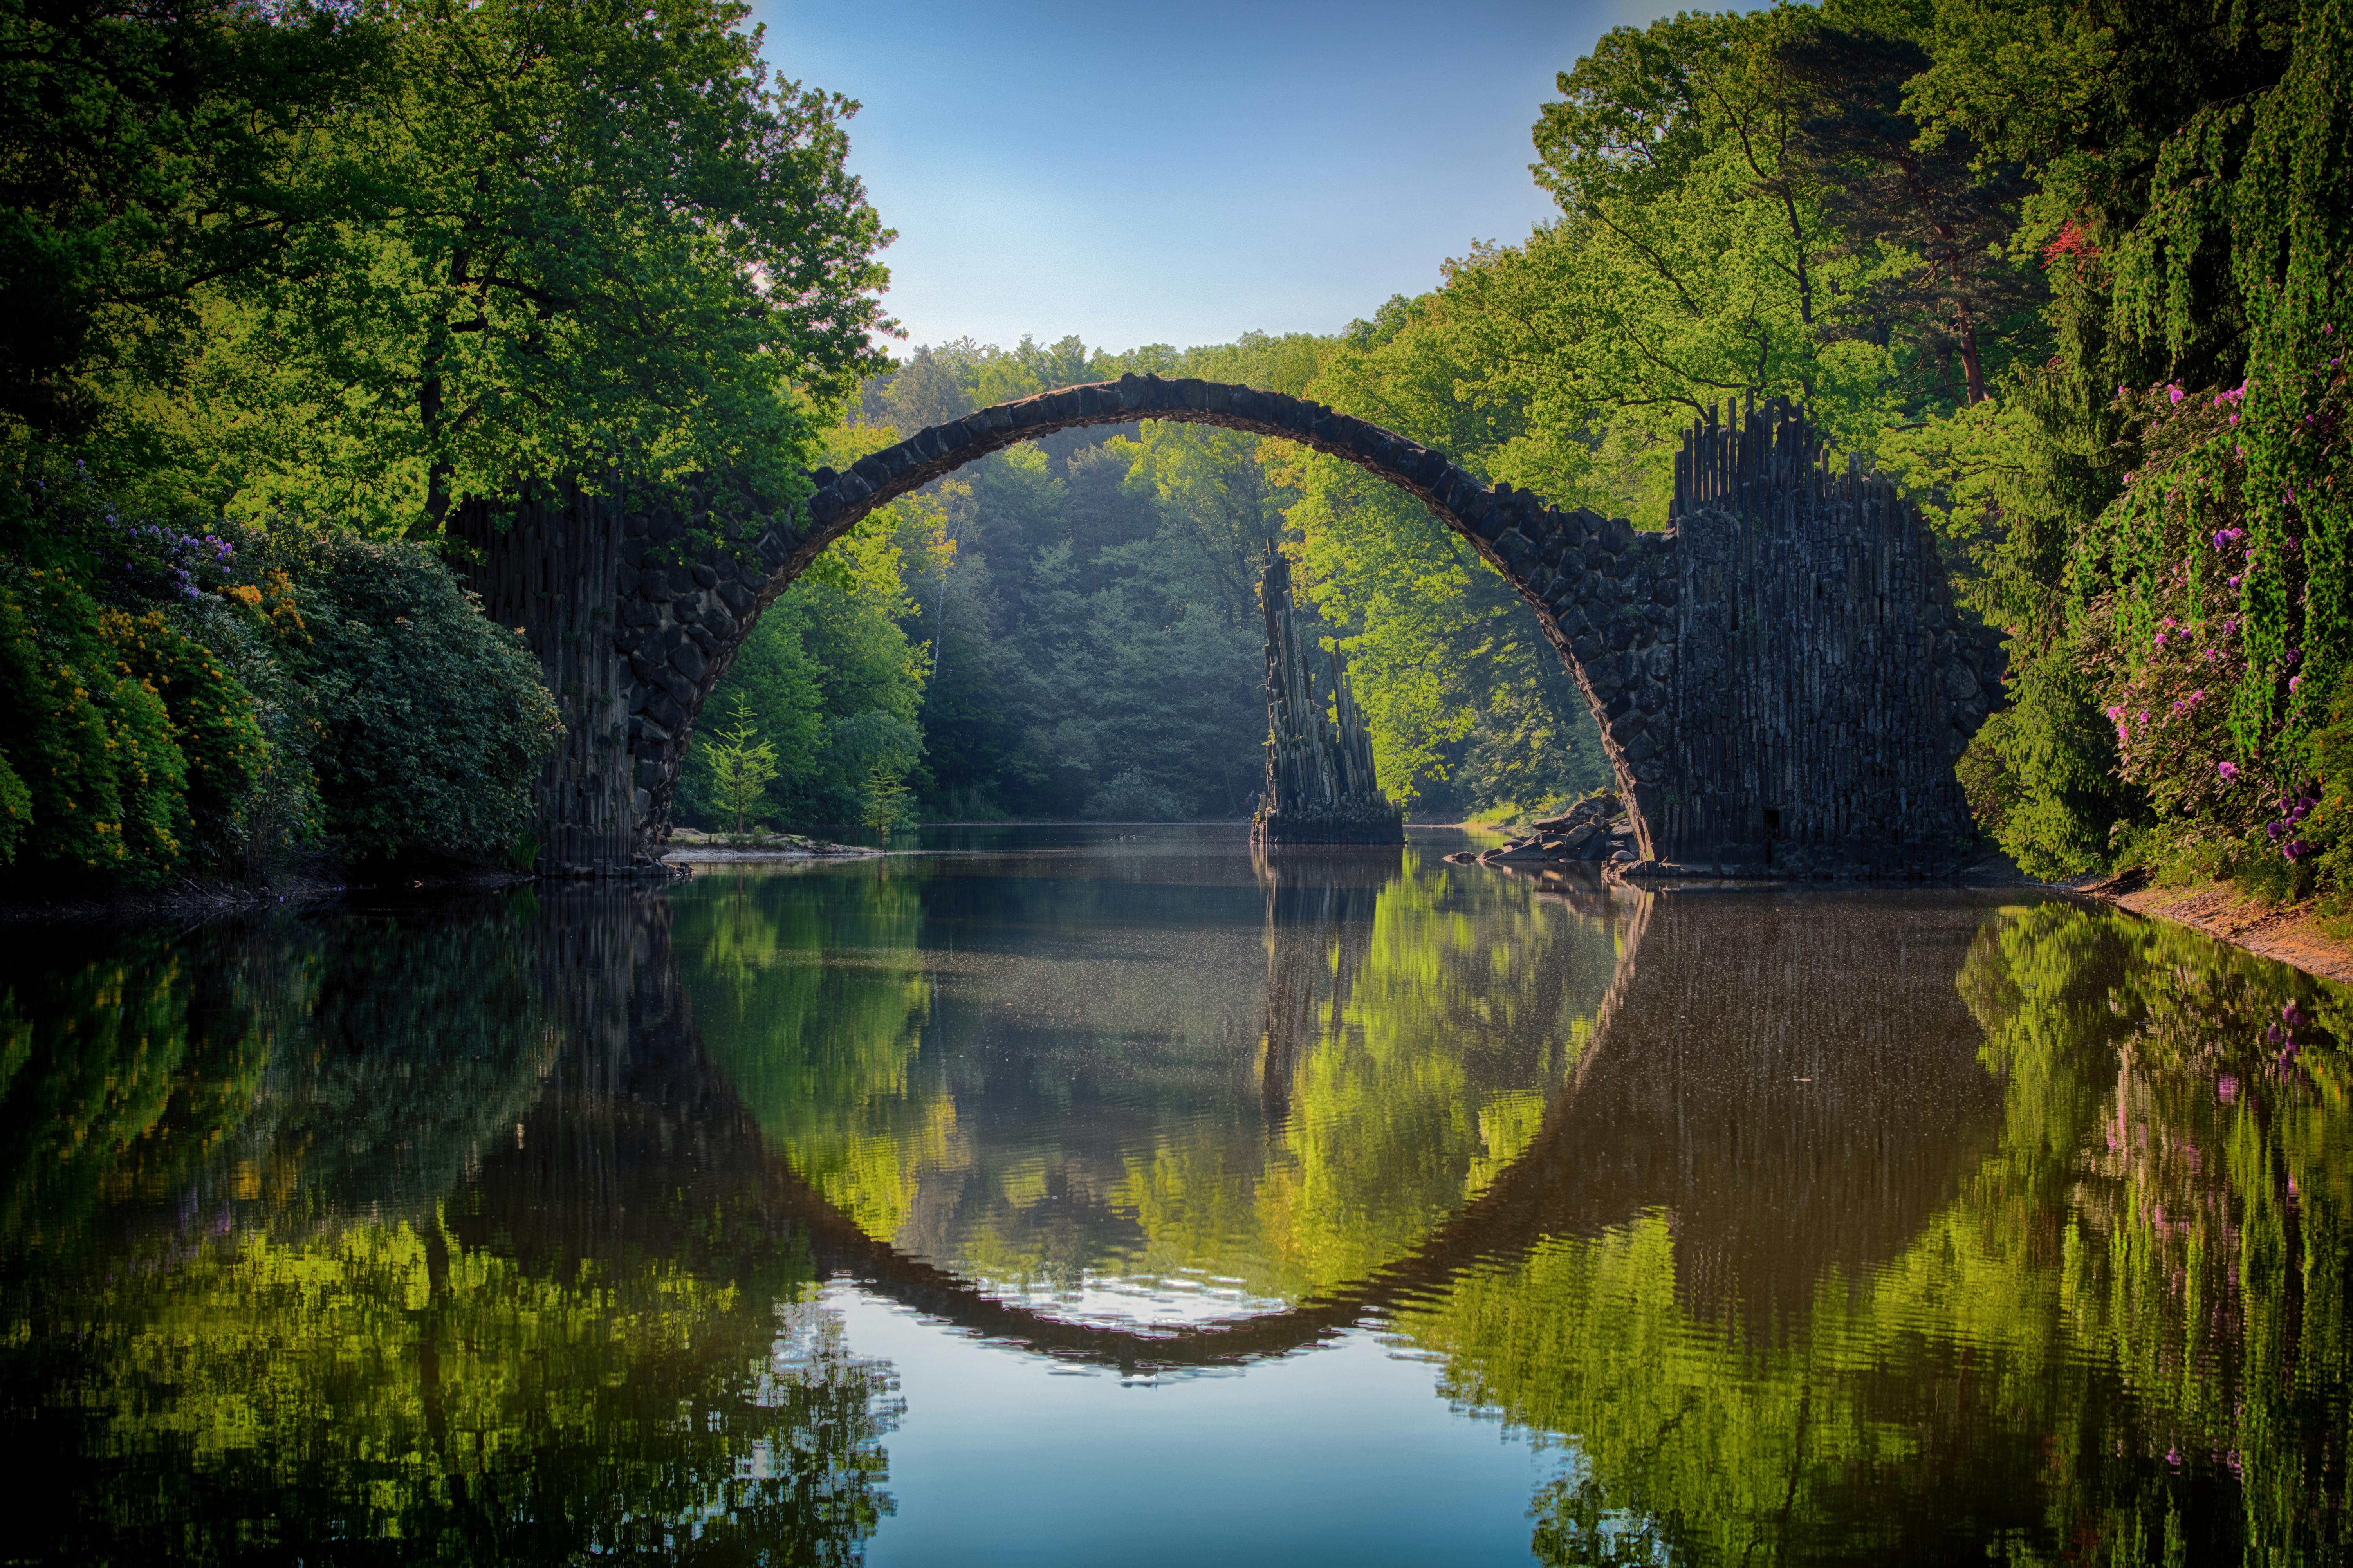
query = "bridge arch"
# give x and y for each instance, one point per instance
(1782, 664)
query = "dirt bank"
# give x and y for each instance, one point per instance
(2288, 932)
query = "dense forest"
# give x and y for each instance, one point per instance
(293, 283)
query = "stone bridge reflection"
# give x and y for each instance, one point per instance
(1791, 1123)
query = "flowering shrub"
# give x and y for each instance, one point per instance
(216, 700)
(2209, 630)
(214, 725)
(100, 788)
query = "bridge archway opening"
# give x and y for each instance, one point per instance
(1561, 564)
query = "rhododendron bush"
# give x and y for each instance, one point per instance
(2211, 611)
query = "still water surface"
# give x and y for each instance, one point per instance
(1060, 1196)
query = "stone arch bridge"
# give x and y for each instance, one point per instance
(1781, 678)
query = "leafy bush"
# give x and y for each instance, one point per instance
(432, 722)
(2040, 774)
(2329, 827)
(99, 785)
(214, 727)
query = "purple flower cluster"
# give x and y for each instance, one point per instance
(2293, 809)
(172, 559)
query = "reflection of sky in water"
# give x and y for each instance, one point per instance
(1343, 1455)
(1159, 1301)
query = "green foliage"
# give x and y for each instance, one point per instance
(431, 722)
(890, 804)
(2330, 827)
(103, 785)
(1133, 797)
(1087, 605)
(15, 811)
(740, 766)
(2184, 175)
(596, 239)
(1468, 708)
(214, 727)
(831, 678)
(151, 151)
(2040, 774)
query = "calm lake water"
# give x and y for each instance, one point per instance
(1062, 1196)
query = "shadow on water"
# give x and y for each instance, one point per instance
(1806, 1227)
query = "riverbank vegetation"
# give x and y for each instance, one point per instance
(288, 284)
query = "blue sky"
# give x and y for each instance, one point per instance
(1153, 172)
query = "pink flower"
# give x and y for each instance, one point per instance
(2294, 681)
(2174, 394)
(2229, 771)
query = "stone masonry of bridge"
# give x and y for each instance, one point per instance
(1780, 678)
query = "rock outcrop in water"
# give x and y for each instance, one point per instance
(1320, 787)
(1593, 831)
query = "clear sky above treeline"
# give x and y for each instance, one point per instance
(1182, 174)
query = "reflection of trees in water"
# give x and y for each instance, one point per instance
(2074, 1334)
(121, 1071)
(277, 1069)
(1047, 1080)
(810, 992)
(1415, 1033)
(592, 1338)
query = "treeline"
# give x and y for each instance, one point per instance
(293, 278)
(2074, 271)
(286, 284)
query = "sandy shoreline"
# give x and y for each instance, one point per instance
(2289, 934)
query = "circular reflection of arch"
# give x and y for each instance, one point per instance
(1791, 1079)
